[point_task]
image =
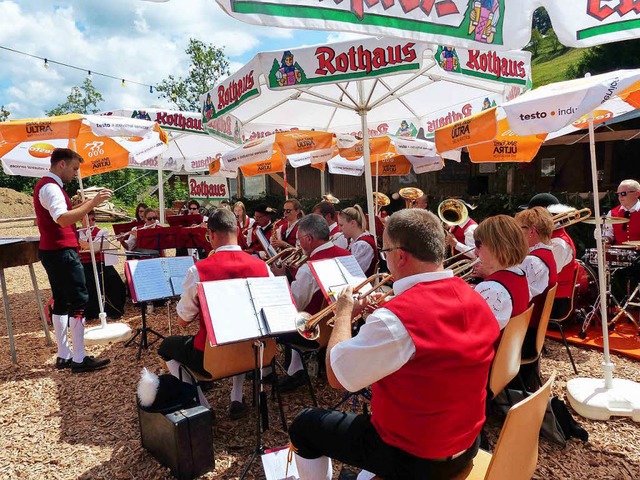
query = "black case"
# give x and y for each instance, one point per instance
(181, 440)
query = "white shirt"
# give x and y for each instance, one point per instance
(469, 241)
(537, 271)
(607, 230)
(189, 306)
(132, 240)
(305, 285)
(363, 252)
(339, 240)
(498, 298)
(52, 198)
(562, 253)
(383, 344)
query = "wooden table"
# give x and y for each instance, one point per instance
(16, 252)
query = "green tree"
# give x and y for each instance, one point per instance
(541, 20)
(82, 99)
(4, 113)
(552, 38)
(606, 58)
(535, 43)
(208, 65)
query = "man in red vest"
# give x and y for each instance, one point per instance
(228, 262)
(59, 255)
(263, 216)
(426, 354)
(313, 237)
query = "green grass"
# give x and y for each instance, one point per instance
(548, 66)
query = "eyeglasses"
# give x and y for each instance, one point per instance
(288, 210)
(478, 243)
(624, 194)
(193, 208)
(92, 219)
(151, 219)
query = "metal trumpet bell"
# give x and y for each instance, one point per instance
(312, 333)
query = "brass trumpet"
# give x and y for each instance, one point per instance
(281, 256)
(296, 259)
(309, 325)
(570, 217)
(464, 268)
(410, 195)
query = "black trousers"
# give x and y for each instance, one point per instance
(66, 277)
(180, 348)
(351, 438)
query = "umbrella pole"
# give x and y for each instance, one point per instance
(161, 189)
(323, 185)
(284, 175)
(590, 397)
(362, 111)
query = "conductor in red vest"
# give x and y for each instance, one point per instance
(426, 354)
(228, 262)
(59, 255)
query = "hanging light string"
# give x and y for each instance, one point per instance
(90, 73)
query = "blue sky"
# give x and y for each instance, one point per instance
(138, 40)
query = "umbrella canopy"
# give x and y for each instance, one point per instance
(501, 24)
(551, 108)
(368, 87)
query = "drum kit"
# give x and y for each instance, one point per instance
(588, 295)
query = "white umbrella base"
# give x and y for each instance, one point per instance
(109, 333)
(591, 399)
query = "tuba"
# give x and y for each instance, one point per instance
(410, 195)
(453, 212)
(570, 217)
(380, 199)
(330, 198)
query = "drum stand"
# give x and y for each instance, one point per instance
(610, 300)
(629, 303)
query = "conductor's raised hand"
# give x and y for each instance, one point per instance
(102, 196)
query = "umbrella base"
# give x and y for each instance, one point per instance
(109, 333)
(591, 399)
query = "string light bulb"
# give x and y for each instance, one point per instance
(46, 63)
(122, 84)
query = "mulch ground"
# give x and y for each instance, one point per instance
(56, 425)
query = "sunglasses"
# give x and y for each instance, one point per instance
(193, 208)
(288, 210)
(151, 219)
(478, 243)
(624, 194)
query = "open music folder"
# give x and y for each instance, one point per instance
(334, 274)
(246, 308)
(156, 278)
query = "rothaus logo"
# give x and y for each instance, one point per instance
(38, 128)
(233, 92)
(552, 113)
(453, 116)
(178, 120)
(602, 10)
(441, 8)
(491, 62)
(361, 59)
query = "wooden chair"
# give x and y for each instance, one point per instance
(558, 321)
(542, 329)
(506, 362)
(516, 453)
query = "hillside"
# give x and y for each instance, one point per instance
(549, 66)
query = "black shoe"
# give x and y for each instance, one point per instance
(291, 382)
(62, 363)
(238, 410)
(89, 364)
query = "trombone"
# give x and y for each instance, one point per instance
(309, 325)
(464, 268)
(280, 257)
(570, 217)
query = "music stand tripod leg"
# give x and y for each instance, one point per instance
(259, 449)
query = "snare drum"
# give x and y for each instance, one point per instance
(615, 257)
(586, 287)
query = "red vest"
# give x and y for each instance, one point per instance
(244, 226)
(85, 257)
(458, 231)
(434, 406)
(517, 287)
(546, 255)
(315, 304)
(242, 240)
(52, 235)
(624, 232)
(368, 238)
(292, 237)
(226, 265)
(566, 275)
(256, 246)
(334, 230)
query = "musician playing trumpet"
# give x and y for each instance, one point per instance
(424, 337)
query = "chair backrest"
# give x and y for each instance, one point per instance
(506, 362)
(569, 311)
(544, 319)
(516, 453)
(222, 361)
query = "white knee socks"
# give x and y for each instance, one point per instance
(77, 337)
(296, 363)
(236, 391)
(60, 328)
(174, 369)
(314, 469)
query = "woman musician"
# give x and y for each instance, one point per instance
(245, 222)
(362, 245)
(284, 235)
(501, 247)
(150, 221)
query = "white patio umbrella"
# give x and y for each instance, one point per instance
(365, 86)
(562, 107)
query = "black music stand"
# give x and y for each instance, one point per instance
(143, 331)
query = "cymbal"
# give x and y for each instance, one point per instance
(632, 243)
(607, 220)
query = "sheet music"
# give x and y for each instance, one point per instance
(334, 274)
(176, 285)
(232, 310)
(280, 318)
(272, 297)
(178, 266)
(149, 281)
(271, 252)
(351, 270)
(274, 463)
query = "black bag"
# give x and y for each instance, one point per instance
(181, 440)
